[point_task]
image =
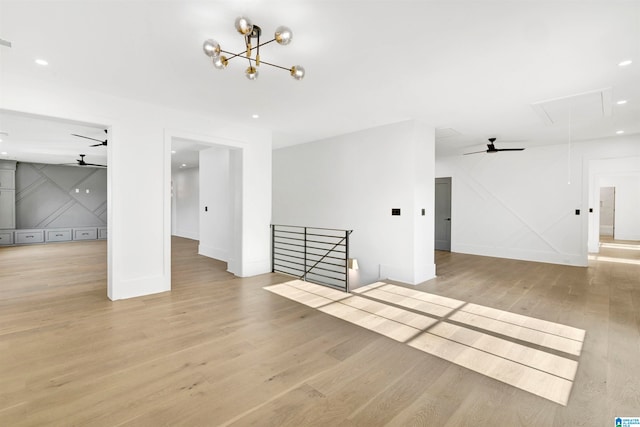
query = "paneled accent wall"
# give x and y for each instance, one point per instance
(53, 196)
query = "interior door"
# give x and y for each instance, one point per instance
(443, 214)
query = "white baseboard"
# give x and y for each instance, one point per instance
(132, 288)
(211, 252)
(577, 260)
(187, 234)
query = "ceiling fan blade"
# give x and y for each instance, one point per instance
(86, 137)
(475, 152)
(104, 143)
(93, 164)
(510, 149)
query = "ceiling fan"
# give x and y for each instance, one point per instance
(102, 143)
(491, 148)
(81, 162)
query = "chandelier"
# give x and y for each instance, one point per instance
(251, 32)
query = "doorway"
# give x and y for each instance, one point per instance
(442, 232)
(205, 186)
(60, 193)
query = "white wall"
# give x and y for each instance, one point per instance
(521, 205)
(186, 197)
(216, 195)
(352, 182)
(139, 213)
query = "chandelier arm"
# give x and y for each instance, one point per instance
(251, 59)
(273, 65)
(233, 55)
(262, 44)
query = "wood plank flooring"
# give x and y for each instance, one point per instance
(219, 350)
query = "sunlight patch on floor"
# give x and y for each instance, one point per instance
(505, 346)
(617, 260)
(629, 246)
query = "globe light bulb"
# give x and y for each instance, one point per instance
(297, 72)
(243, 25)
(251, 73)
(283, 35)
(220, 62)
(211, 48)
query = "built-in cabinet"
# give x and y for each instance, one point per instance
(58, 235)
(29, 236)
(6, 237)
(7, 195)
(25, 237)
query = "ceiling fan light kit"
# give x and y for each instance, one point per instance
(250, 32)
(81, 162)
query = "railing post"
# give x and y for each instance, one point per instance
(346, 260)
(304, 276)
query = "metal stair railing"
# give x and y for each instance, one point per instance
(316, 255)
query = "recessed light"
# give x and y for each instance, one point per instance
(622, 102)
(173, 151)
(183, 165)
(625, 63)
(619, 132)
(0, 139)
(42, 62)
(255, 116)
(4, 153)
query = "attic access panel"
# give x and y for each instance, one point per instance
(585, 106)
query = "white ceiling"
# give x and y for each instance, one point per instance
(473, 69)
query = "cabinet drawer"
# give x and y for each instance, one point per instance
(85, 234)
(29, 236)
(102, 233)
(58, 235)
(6, 237)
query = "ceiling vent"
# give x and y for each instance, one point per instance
(585, 106)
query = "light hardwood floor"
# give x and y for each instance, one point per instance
(219, 350)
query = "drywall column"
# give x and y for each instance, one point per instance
(423, 141)
(353, 182)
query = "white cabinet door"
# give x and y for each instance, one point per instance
(7, 179)
(7, 209)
